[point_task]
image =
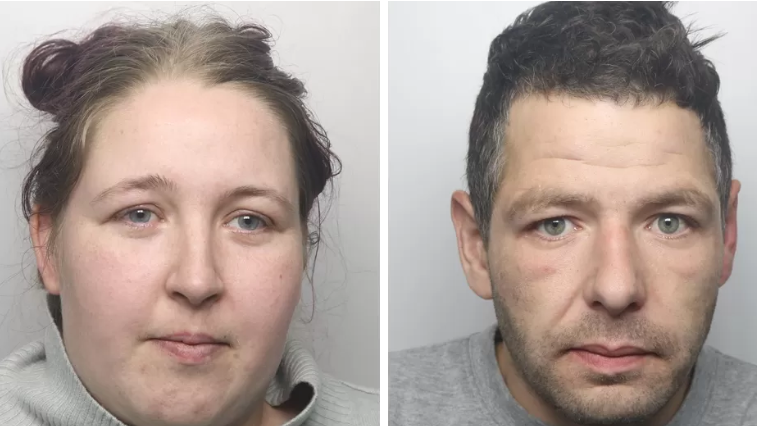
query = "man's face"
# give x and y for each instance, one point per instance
(605, 241)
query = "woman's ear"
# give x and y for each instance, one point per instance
(309, 242)
(41, 228)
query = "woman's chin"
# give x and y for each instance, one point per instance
(189, 405)
(182, 409)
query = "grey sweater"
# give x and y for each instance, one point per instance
(38, 387)
(459, 383)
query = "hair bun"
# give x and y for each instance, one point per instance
(46, 72)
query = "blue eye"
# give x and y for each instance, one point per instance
(139, 216)
(248, 222)
(671, 224)
(556, 227)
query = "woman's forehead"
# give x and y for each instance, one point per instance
(193, 134)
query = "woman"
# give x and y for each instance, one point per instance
(168, 208)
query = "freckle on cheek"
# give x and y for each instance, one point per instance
(547, 270)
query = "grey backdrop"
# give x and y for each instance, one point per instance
(334, 48)
(437, 57)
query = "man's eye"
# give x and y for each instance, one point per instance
(670, 224)
(555, 227)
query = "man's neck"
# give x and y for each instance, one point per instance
(535, 406)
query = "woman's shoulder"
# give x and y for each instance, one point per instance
(21, 377)
(25, 362)
(344, 403)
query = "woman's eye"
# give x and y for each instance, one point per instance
(247, 222)
(555, 227)
(139, 216)
(670, 224)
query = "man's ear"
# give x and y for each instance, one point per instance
(470, 245)
(41, 228)
(730, 234)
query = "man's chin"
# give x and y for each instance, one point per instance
(616, 404)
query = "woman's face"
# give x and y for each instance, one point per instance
(184, 228)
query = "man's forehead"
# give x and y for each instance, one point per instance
(544, 131)
(575, 121)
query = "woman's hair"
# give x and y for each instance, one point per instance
(77, 83)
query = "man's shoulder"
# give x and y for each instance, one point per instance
(736, 373)
(428, 365)
(734, 386)
(434, 385)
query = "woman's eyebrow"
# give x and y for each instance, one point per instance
(143, 183)
(255, 191)
(161, 183)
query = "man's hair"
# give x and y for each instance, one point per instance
(635, 52)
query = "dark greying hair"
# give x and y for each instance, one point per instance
(620, 51)
(77, 82)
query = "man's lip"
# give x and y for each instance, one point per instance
(614, 351)
(192, 338)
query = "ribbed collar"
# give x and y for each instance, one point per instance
(62, 399)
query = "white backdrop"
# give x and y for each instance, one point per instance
(437, 57)
(334, 48)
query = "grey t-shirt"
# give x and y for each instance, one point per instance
(459, 383)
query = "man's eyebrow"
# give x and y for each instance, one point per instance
(681, 197)
(160, 183)
(540, 199)
(143, 183)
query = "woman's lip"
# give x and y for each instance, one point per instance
(190, 354)
(191, 338)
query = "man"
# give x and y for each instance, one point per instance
(601, 221)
